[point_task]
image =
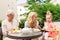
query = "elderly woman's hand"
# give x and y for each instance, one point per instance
(11, 30)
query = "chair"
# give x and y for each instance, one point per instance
(57, 37)
(0, 31)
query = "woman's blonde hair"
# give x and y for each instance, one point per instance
(29, 19)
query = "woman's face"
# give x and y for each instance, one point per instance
(34, 18)
(48, 18)
(10, 16)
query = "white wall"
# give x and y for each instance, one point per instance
(55, 2)
(57, 24)
(4, 7)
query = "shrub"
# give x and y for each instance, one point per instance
(22, 23)
(0, 26)
(0, 22)
(41, 10)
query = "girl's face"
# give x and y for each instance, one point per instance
(48, 18)
(34, 18)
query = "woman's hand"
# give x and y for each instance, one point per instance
(11, 30)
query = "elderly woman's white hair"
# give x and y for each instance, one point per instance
(10, 12)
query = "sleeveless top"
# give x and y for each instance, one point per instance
(52, 33)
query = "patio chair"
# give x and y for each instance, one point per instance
(0, 31)
(57, 37)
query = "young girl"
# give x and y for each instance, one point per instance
(49, 27)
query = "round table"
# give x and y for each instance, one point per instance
(26, 37)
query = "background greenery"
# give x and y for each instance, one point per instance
(0, 22)
(0, 26)
(41, 7)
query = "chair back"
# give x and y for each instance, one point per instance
(0, 31)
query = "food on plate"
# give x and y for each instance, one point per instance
(14, 30)
(11, 31)
(17, 28)
(26, 30)
(36, 30)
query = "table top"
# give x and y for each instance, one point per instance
(22, 36)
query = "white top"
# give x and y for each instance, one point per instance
(6, 26)
(26, 24)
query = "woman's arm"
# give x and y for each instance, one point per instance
(38, 26)
(4, 29)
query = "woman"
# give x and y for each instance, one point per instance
(49, 27)
(32, 21)
(9, 24)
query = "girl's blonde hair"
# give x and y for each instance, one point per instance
(29, 19)
(49, 14)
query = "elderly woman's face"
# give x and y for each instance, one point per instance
(10, 16)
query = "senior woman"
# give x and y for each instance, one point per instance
(8, 24)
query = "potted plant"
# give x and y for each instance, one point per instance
(22, 21)
(41, 22)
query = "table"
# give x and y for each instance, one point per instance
(26, 37)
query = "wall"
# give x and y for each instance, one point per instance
(4, 7)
